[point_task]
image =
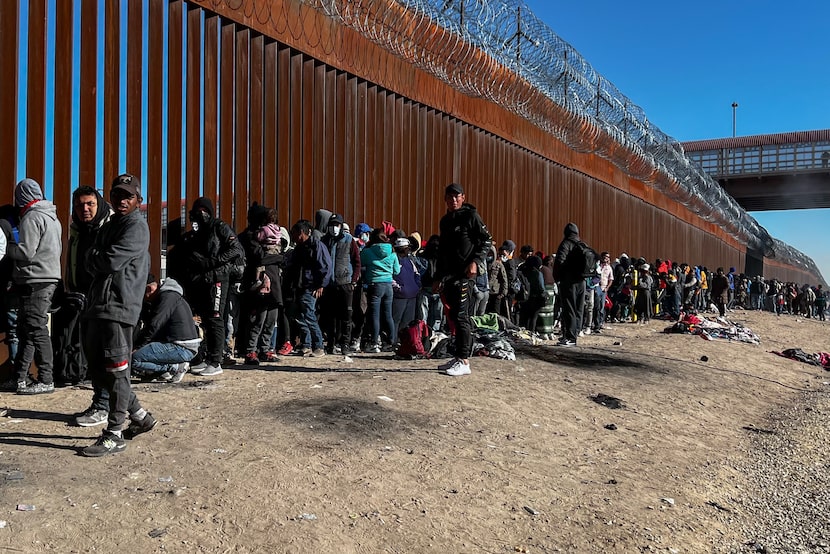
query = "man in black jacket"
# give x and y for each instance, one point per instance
(462, 250)
(212, 254)
(119, 262)
(168, 338)
(567, 269)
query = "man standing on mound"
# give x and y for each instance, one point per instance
(120, 263)
(462, 250)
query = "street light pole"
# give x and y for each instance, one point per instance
(734, 117)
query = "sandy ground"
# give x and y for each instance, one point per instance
(379, 455)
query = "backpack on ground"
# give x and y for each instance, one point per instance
(413, 340)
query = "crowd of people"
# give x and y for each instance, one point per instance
(314, 289)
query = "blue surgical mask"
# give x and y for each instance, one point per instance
(364, 237)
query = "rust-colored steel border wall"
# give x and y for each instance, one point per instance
(271, 101)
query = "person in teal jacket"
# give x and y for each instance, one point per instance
(379, 264)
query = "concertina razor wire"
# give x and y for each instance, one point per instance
(500, 51)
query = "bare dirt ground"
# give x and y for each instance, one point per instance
(379, 455)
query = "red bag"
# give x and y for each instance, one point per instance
(413, 340)
(608, 303)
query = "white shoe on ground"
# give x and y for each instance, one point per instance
(458, 369)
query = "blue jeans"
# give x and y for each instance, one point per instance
(310, 334)
(380, 305)
(159, 357)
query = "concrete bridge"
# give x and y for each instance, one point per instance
(784, 171)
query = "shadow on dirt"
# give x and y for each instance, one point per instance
(349, 419)
(591, 359)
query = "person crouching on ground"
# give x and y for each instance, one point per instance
(168, 338)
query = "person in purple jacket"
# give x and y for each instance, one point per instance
(405, 285)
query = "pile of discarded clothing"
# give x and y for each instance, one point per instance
(711, 329)
(820, 359)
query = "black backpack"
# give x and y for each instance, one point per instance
(520, 287)
(584, 259)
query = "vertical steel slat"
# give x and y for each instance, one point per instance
(256, 120)
(269, 127)
(318, 146)
(134, 87)
(329, 191)
(9, 45)
(284, 143)
(193, 90)
(175, 22)
(62, 160)
(295, 139)
(307, 190)
(358, 154)
(226, 120)
(210, 88)
(113, 131)
(155, 84)
(241, 115)
(339, 109)
(36, 93)
(88, 140)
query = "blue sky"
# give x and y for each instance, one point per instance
(685, 63)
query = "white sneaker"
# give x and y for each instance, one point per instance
(587, 331)
(581, 334)
(458, 369)
(447, 365)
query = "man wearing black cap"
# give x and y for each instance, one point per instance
(213, 255)
(462, 250)
(119, 262)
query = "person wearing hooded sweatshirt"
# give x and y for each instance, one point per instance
(168, 338)
(120, 263)
(568, 269)
(380, 265)
(462, 250)
(37, 262)
(307, 273)
(89, 213)
(261, 305)
(213, 255)
(337, 302)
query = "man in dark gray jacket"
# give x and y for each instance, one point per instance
(120, 263)
(37, 266)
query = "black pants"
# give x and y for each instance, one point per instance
(573, 303)
(210, 302)
(336, 307)
(458, 296)
(529, 312)
(33, 333)
(108, 347)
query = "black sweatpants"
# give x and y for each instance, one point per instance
(573, 303)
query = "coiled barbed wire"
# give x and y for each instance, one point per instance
(501, 51)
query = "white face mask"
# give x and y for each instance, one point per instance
(364, 237)
(504, 258)
(334, 230)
